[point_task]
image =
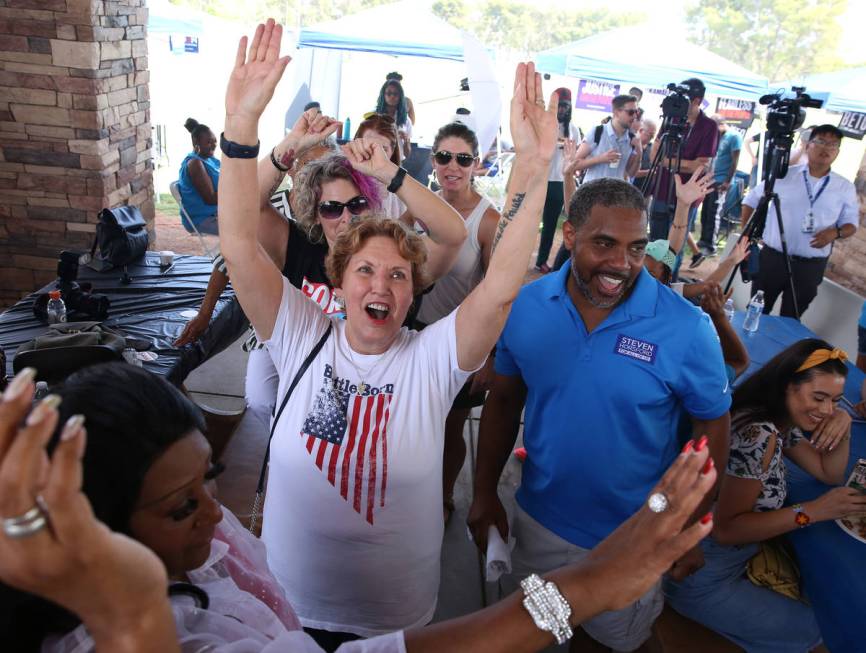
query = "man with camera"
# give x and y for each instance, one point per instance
(611, 150)
(818, 208)
(700, 141)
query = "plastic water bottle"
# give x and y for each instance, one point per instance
(56, 308)
(729, 309)
(753, 313)
(347, 129)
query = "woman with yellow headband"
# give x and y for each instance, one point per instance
(793, 394)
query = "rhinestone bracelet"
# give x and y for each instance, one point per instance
(547, 607)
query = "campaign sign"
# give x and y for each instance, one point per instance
(179, 43)
(595, 95)
(853, 124)
(737, 113)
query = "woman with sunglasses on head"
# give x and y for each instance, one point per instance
(796, 392)
(104, 540)
(392, 102)
(455, 154)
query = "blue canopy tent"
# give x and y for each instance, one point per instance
(364, 31)
(843, 90)
(660, 61)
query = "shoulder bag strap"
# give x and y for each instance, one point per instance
(260, 488)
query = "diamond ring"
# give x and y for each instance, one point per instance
(658, 502)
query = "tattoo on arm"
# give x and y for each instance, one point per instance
(507, 217)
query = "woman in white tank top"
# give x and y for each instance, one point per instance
(455, 157)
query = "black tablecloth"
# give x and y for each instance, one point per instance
(150, 308)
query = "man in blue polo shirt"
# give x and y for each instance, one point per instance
(605, 360)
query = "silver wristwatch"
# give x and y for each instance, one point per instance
(547, 607)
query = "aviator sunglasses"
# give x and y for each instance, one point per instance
(333, 209)
(443, 158)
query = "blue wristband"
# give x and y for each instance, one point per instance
(237, 151)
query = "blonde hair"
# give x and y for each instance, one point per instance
(409, 245)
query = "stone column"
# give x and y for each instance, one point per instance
(74, 129)
(847, 265)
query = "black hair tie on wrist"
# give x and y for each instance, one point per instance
(237, 151)
(397, 181)
(277, 164)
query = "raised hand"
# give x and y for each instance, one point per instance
(569, 157)
(533, 127)
(636, 554)
(695, 188)
(110, 581)
(369, 157)
(310, 129)
(255, 74)
(741, 251)
(714, 299)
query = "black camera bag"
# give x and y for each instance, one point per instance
(121, 235)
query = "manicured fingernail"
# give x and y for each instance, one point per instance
(688, 447)
(18, 384)
(707, 466)
(41, 411)
(702, 443)
(72, 427)
(706, 519)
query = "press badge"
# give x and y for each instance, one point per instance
(809, 223)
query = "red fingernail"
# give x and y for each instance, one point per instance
(688, 447)
(706, 519)
(702, 443)
(707, 466)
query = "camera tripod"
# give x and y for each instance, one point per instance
(779, 151)
(668, 158)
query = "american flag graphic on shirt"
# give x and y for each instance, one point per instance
(347, 436)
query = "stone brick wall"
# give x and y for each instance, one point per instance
(847, 266)
(74, 129)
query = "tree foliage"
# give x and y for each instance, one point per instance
(779, 39)
(527, 28)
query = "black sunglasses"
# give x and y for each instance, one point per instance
(632, 112)
(443, 158)
(332, 209)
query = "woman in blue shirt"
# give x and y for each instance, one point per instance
(199, 178)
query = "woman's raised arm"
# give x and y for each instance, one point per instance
(482, 314)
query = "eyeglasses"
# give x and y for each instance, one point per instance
(332, 209)
(631, 112)
(830, 145)
(443, 158)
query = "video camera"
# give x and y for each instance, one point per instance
(785, 113)
(676, 105)
(79, 297)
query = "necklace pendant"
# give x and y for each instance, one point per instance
(362, 387)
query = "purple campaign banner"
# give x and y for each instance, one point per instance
(595, 95)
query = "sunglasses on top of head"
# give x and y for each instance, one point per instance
(443, 158)
(333, 209)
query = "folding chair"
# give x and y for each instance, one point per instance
(186, 221)
(731, 210)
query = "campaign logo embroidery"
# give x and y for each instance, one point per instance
(346, 433)
(634, 348)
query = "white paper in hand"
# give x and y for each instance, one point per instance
(498, 555)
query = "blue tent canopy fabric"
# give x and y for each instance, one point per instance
(423, 36)
(843, 90)
(602, 57)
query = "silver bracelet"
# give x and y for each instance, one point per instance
(547, 607)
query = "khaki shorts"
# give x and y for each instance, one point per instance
(539, 551)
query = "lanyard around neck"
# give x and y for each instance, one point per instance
(823, 185)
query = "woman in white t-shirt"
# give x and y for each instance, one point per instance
(351, 520)
(455, 156)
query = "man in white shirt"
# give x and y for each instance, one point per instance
(611, 150)
(818, 207)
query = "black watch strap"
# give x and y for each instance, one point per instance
(237, 151)
(397, 181)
